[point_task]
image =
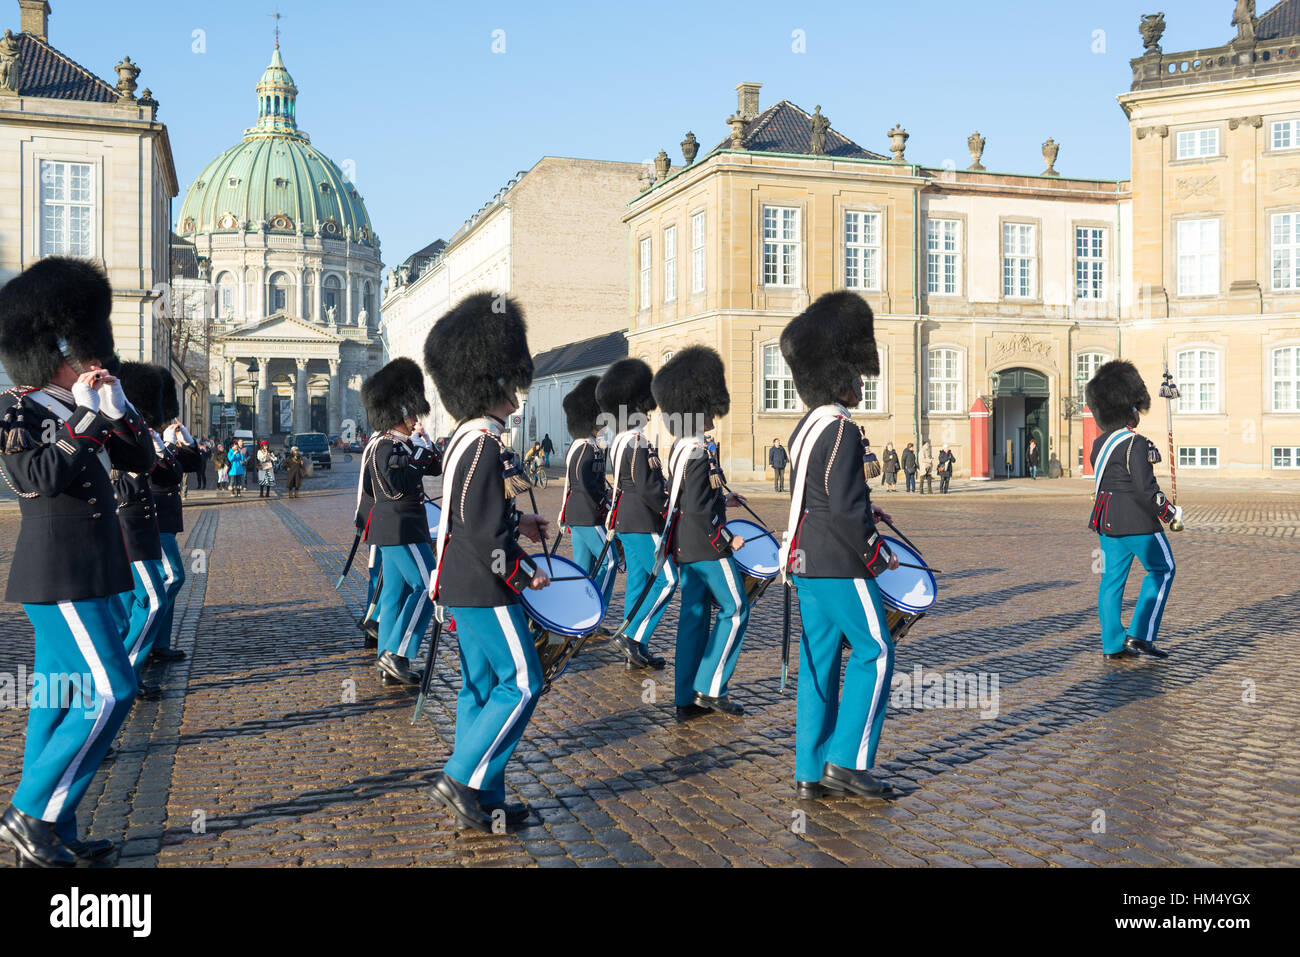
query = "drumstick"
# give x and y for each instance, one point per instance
(741, 503)
(541, 533)
(907, 541)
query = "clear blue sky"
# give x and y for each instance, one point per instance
(435, 122)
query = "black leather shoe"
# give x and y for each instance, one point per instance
(149, 692)
(810, 790)
(858, 782)
(369, 641)
(91, 851)
(399, 669)
(34, 840)
(460, 801)
(687, 711)
(1142, 646)
(1120, 655)
(516, 813)
(718, 704)
(167, 654)
(636, 658)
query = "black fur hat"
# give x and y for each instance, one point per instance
(171, 403)
(55, 308)
(624, 390)
(143, 387)
(580, 408)
(477, 355)
(393, 394)
(1116, 393)
(692, 383)
(829, 346)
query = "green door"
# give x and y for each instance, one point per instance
(1036, 428)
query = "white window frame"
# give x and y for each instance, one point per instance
(670, 263)
(1199, 393)
(1289, 378)
(1284, 250)
(1288, 130)
(271, 290)
(864, 252)
(943, 256)
(1090, 255)
(228, 287)
(777, 383)
(1019, 260)
(1197, 252)
(1292, 452)
(952, 385)
(1196, 144)
(782, 246)
(1080, 362)
(645, 264)
(1198, 456)
(879, 406)
(64, 206)
(698, 264)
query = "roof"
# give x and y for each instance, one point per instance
(428, 252)
(185, 259)
(786, 128)
(48, 73)
(585, 354)
(1281, 21)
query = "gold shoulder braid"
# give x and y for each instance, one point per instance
(516, 481)
(652, 457)
(15, 437)
(716, 479)
(1153, 453)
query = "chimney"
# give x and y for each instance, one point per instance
(35, 18)
(747, 100)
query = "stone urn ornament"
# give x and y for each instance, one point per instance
(975, 143)
(737, 124)
(662, 165)
(1051, 149)
(898, 138)
(1152, 29)
(690, 148)
(127, 72)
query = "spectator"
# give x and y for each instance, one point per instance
(221, 459)
(265, 470)
(1031, 459)
(236, 457)
(927, 466)
(778, 459)
(294, 467)
(205, 456)
(910, 466)
(890, 481)
(547, 448)
(946, 462)
(712, 445)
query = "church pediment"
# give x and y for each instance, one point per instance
(280, 328)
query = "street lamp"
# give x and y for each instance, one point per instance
(1072, 405)
(994, 381)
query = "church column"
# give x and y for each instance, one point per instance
(242, 293)
(228, 379)
(265, 416)
(335, 407)
(301, 405)
(320, 295)
(347, 321)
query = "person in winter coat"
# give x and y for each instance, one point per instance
(295, 467)
(265, 470)
(778, 459)
(1032, 456)
(946, 461)
(910, 466)
(890, 481)
(221, 462)
(547, 448)
(927, 468)
(236, 457)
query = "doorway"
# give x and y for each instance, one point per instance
(1019, 414)
(320, 414)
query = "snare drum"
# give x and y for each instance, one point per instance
(908, 593)
(759, 558)
(562, 615)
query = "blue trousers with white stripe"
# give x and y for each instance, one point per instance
(588, 540)
(404, 605)
(143, 609)
(1118, 552)
(500, 679)
(845, 733)
(173, 579)
(639, 549)
(68, 736)
(708, 647)
(372, 582)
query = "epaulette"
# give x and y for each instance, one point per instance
(516, 481)
(15, 434)
(1153, 453)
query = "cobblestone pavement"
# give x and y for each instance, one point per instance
(276, 745)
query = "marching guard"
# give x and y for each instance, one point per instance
(833, 552)
(394, 478)
(585, 502)
(640, 506)
(178, 454)
(369, 623)
(477, 355)
(1127, 510)
(691, 390)
(65, 426)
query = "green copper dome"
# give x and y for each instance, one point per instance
(274, 179)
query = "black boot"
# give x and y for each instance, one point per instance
(34, 840)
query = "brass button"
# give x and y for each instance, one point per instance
(85, 485)
(96, 515)
(90, 501)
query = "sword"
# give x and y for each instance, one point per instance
(347, 566)
(428, 668)
(1169, 392)
(785, 639)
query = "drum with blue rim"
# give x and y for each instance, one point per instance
(563, 615)
(759, 558)
(908, 593)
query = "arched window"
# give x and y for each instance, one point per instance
(277, 106)
(333, 296)
(278, 300)
(1286, 379)
(226, 296)
(368, 301)
(944, 380)
(1086, 365)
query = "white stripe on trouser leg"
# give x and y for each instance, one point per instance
(715, 686)
(154, 605)
(670, 582)
(611, 563)
(103, 689)
(1164, 585)
(169, 573)
(882, 662)
(404, 647)
(515, 644)
(373, 549)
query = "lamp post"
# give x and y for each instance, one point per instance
(1072, 405)
(253, 369)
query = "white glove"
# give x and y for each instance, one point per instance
(85, 396)
(1178, 514)
(112, 400)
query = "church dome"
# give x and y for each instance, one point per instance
(274, 180)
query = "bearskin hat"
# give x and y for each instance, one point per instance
(581, 409)
(394, 394)
(1115, 393)
(477, 355)
(692, 383)
(56, 308)
(624, 389)
(171, 403)
(143, 386)
(829, 346)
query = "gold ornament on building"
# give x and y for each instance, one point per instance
(975, 143)
(1051, 149)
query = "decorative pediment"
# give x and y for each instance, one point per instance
(281, 328)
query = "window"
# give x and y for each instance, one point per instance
(1286, 252)
(944, 380)
(873, 392)
(1198, 257)
(1195, 143)
(861, 250)
(225, 296)
(1086, 365)
(279, 298)
(780, 246)
(1286, 457)
(1198, 457)
(1286, 134)
(943, 244)
(645, 273)
(1017, 260)
(1198, 381)
(668, 355)
(333, 289)
(778, 384)
(1286, 379)
(697, 253)
(1089, 262)
(670, 264)
(67, 208)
